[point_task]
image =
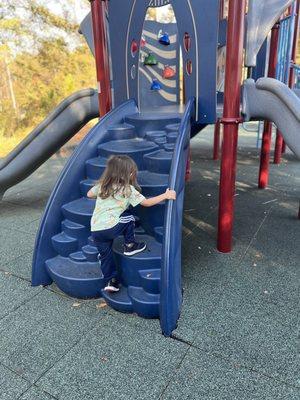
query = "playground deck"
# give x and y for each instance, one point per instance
(237, 335)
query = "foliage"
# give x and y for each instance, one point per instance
(43, 59)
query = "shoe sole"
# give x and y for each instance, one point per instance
(132, 253)
(111, 289)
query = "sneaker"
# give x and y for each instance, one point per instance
(112, 286)
(134, 249)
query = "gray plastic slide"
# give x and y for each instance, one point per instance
(56, 129)
(261, 16)
(270, 99)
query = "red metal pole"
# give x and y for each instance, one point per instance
(295, 46)
(231, 120)
(267, 134)
(278, 147)
(188, 171)
(217, 140)
(98, 9)
(221, 9)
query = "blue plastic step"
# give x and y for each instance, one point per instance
(172, 127)
(130, 266)
(150, 279)
(160, 142)
(169, 147)
(64, 244)
(159, 161)
(79, 211)
(78, 256)
(119, 301)
(90, 252)
(172, 137)
(152, 135)
(81, 280)
(121, 131)
(77, 231)
(158, 233)
(152, 216)
(144, 304)
(134, 148)
(149, 121)
(95, 167)
(152, 184)
(86, 185)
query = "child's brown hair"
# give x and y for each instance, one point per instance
(119, 174)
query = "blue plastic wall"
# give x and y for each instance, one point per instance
(199, 18)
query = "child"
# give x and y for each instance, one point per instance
(115, 192)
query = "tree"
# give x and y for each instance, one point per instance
(43, 59)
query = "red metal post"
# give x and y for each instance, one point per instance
(188, 171)
(98, 9)
(217, 140)
(278, 147)
(221, 10)
(267, 134)
(295, 46)
(231, 119)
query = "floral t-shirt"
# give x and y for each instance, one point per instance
(107, 211)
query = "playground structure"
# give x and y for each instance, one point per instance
(151, 116)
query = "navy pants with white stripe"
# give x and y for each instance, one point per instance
(104, 242)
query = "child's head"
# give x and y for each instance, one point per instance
(119, 174)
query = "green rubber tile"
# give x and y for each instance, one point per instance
(203, 376)
(14, 292)
(20, 266)
(115, 361)
(44, 329)
(11, 385)
(35, 394)
(14, 244)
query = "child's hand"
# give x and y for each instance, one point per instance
(170, 194)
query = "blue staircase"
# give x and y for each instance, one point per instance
(65, 252)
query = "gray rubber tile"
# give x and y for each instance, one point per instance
(11, 385)
(115, 361)
(40, 332)
(203, 376)
(17, 216)
(20, 266)
(259, 343)
(14, 292)
(14, 244)
(35, 394)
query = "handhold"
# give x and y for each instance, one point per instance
(143, 42)
(155, 85)
(164, 39)
(168, 72)
(134, 47)
(150, 59)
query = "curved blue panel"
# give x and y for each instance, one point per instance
(67, 189)
(171, 288)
